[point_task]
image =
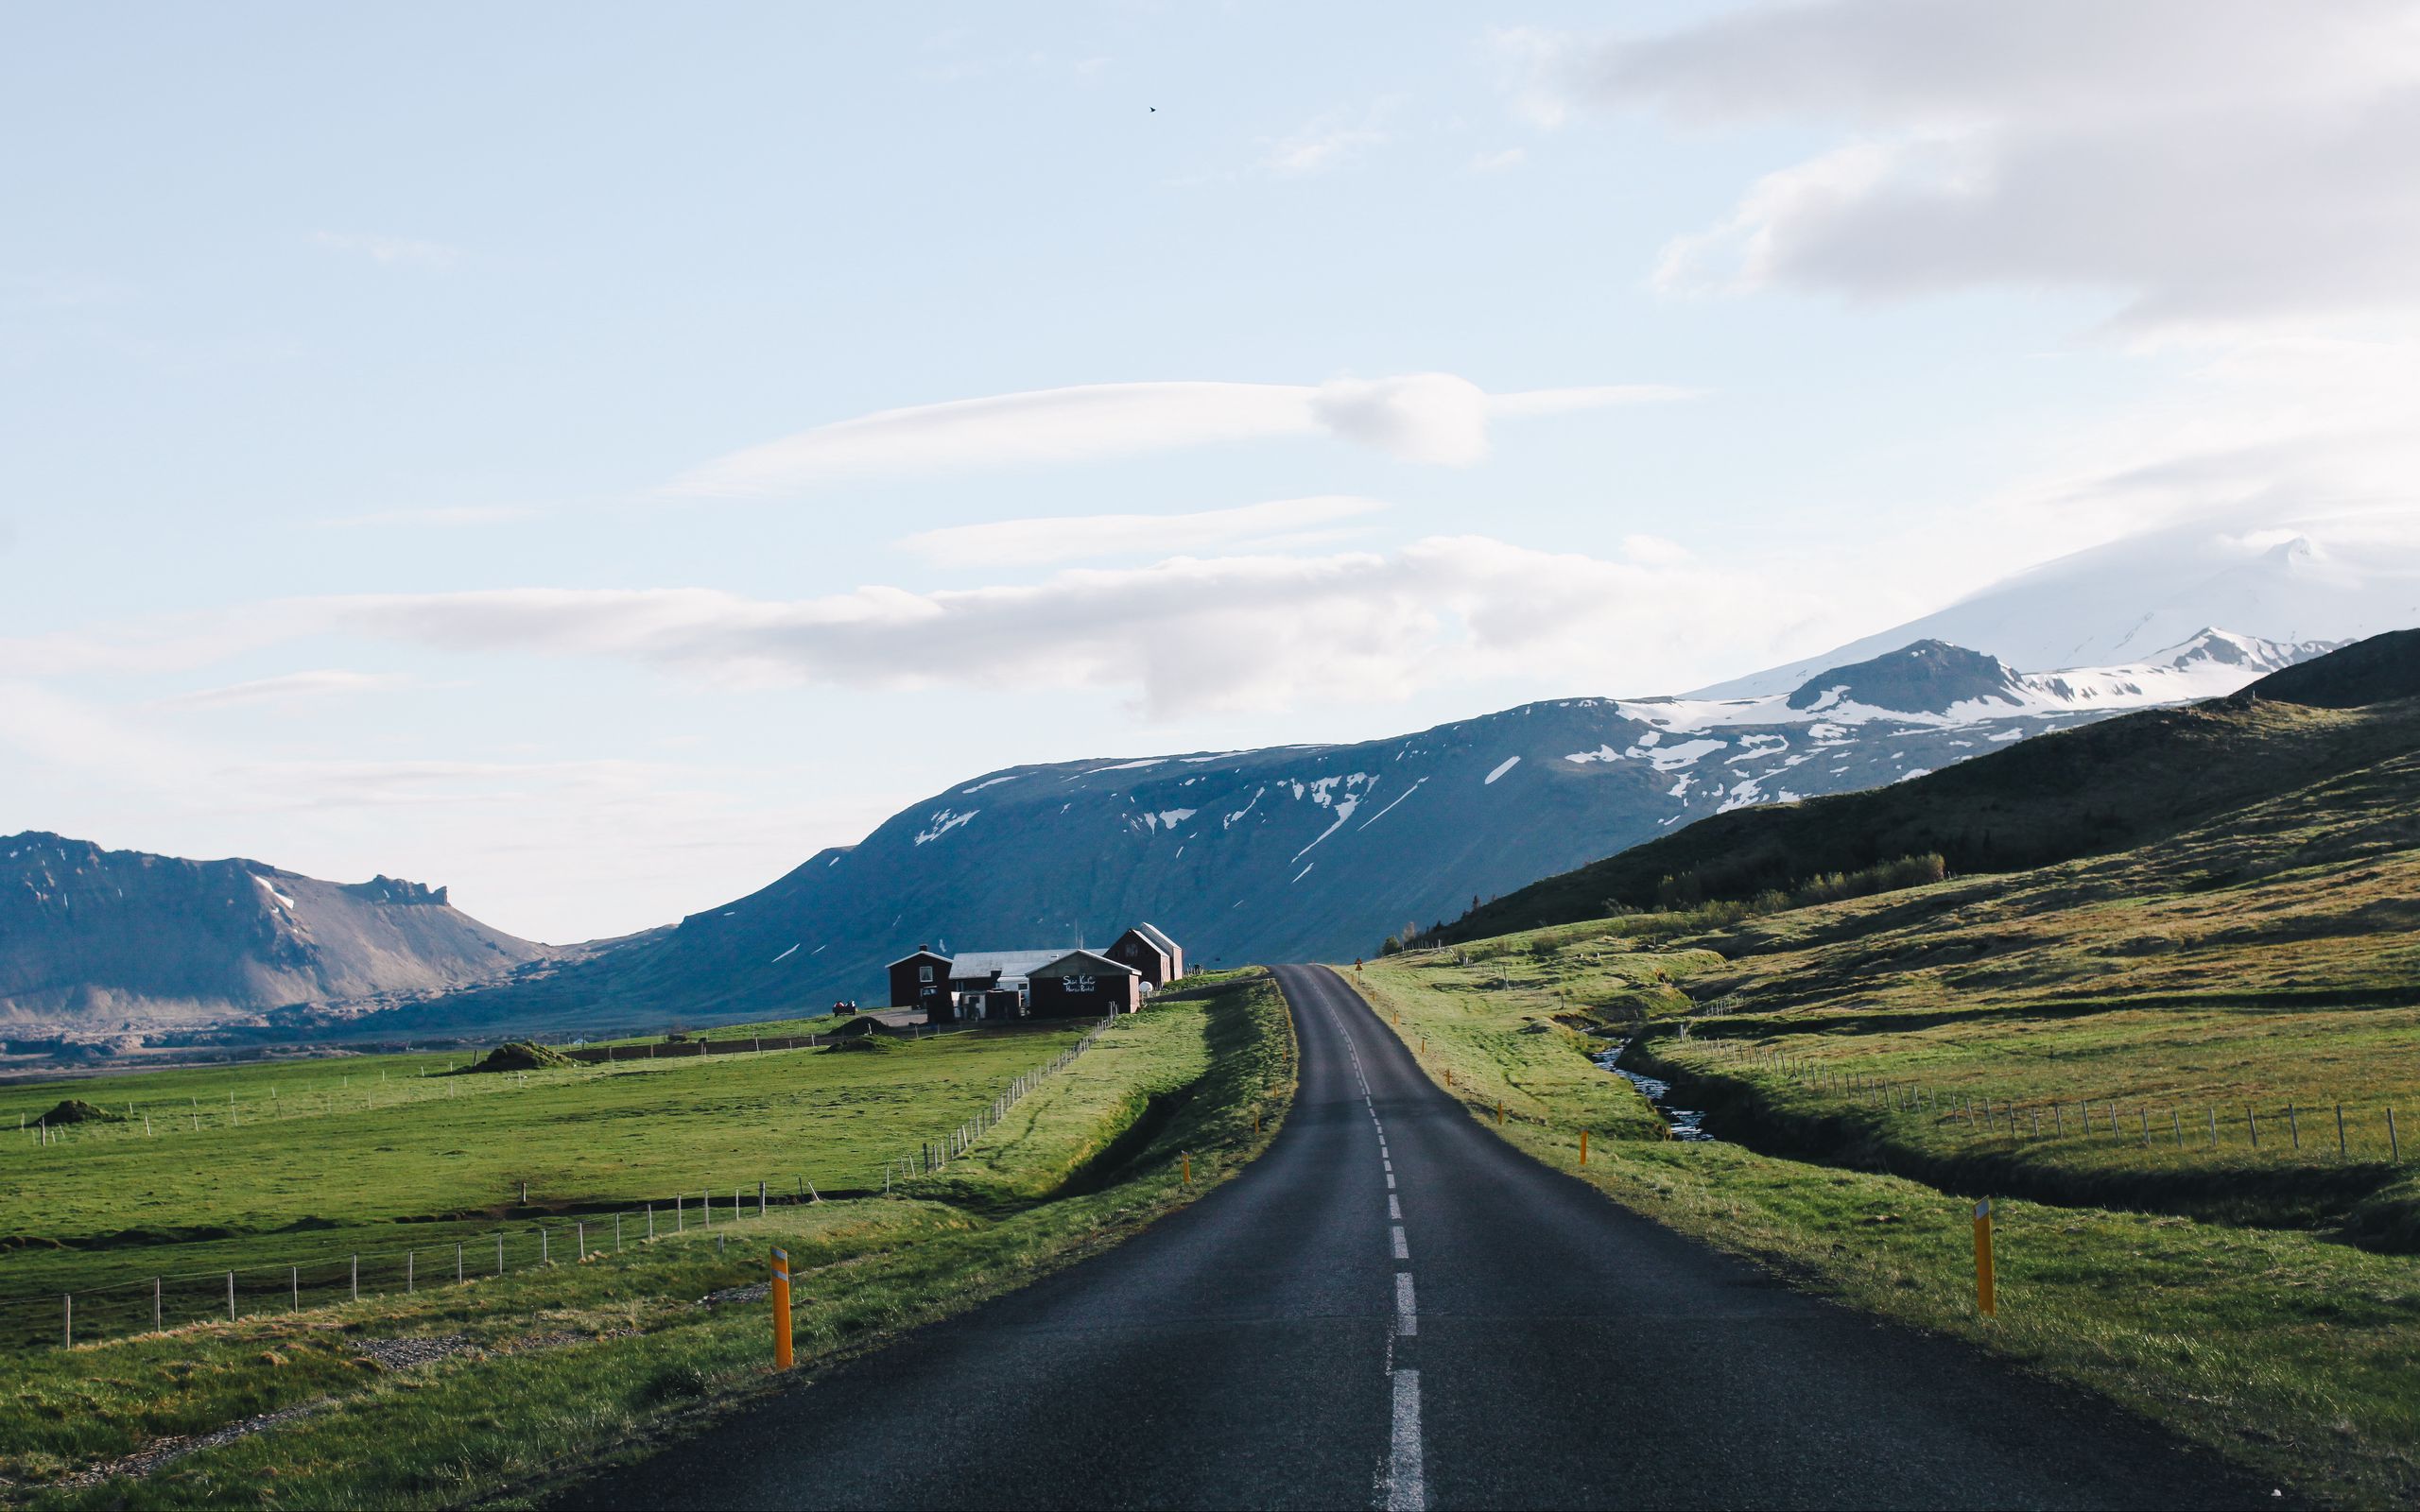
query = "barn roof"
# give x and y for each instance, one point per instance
(1157, 937)
(1008, 963)
(1089, 962)
(920, 956)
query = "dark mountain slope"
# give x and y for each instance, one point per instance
(107, 940)
(1927, 677)
(2087, 791)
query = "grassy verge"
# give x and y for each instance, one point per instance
(2282, 1350)
(550, 1371)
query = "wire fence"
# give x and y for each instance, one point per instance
(126, 1309)
(934, 1154)
(2349, 1131)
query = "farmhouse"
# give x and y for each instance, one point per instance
(1149, 950)
(1060, 982)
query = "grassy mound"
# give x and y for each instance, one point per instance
(852, 1028)
(77, 1111)
(862, 1041)
(521, 1055)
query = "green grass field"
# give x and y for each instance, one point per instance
(385, 1156)
(545, 1369)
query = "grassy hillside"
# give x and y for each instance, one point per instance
(509, 1384)
(2098, 1040)
(2089, 791)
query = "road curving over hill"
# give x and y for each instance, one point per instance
(1393, 1308)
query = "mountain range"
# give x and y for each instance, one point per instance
(1281, 853)
(1320, 852)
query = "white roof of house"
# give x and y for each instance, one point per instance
(920, 956)
(1092, 962)
(1008, 963)
(1158, 936)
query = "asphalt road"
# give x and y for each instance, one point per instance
(1393, 1308)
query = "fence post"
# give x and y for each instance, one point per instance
(2339, 1131)
(294, 1282)
(155, 1304)
(618, 1234)
(760, 1199)
(357, 1277)
(67, 1303)
(231, 1297)
(499, 1251)
(579, 1242)
(2394, 1145)
(545, 1256)
(457, 1263)
(2252, 1122)
(411, 1259)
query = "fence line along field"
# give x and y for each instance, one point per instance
(399, 1158)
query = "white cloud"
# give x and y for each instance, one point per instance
(1326, 142)
(284, 688)
(1418, 417)
(1175, 637)
(391, 251)
(1072, 538)
(2208, 161)
(1498, 161)
(1655, 551)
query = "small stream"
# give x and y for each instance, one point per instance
(1687, 1123)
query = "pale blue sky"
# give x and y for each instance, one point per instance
(313, 319)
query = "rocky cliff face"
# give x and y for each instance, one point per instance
(107, 940)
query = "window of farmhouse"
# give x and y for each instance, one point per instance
(925, 973)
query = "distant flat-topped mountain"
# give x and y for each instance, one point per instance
(102, 940)
(1321, 851)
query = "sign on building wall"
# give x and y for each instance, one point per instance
(1079, 983)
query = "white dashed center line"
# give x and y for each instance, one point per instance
(1405, 1473)
(1407, 1476)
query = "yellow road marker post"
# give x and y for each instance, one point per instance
(781, 1309)
(1499, 1115)
(1583, 1147)
(1985, 1299)
(1188, 1168)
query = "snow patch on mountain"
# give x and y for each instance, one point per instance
(944, 821)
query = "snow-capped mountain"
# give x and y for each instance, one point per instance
(2317, 581)
(1320, 852)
